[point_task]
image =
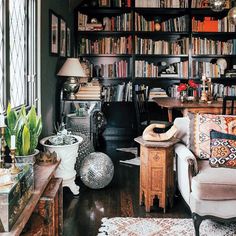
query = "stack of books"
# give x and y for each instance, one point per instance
(89, 91)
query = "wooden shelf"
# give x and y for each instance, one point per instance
(104, 55)
(104, 33)
(211, 56)
(105, 10)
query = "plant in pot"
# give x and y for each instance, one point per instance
(65, 145)
(26, 127)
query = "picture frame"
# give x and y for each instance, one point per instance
(62, 38)
(53, 33)
(68, 42)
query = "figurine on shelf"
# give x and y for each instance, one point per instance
(204, 94)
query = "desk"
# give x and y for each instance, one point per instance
(172, 103)
(42, 176)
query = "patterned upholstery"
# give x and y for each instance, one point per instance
(200, 127)
(223, 150)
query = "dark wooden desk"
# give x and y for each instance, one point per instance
(172, 103)
(42, 176)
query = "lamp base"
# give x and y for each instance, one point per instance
(70, 88)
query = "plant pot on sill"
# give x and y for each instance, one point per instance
(67, 154)
(29, 159)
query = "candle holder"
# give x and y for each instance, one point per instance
(14, 169)
(2, 158)
(204, 94)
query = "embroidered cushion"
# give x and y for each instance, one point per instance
(200, 127)
(223, 149)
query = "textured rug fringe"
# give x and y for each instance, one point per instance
(130, 226)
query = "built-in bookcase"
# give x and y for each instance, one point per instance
(154, 42)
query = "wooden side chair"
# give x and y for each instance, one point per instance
(142, 113)
(229, 100)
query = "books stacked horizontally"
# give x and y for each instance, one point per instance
(89, 91)
(157, 92)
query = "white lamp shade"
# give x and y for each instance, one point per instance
(71, 67)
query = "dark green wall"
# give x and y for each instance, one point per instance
(50, 64)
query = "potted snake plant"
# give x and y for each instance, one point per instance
(26, 127)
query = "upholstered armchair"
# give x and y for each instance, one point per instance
(210, 192)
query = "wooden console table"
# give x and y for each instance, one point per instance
(42, 176)
(172, 103)
(156, 172)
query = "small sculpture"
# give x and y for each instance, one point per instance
(150, 135)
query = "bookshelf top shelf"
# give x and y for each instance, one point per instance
(161, 11)
(105, 10)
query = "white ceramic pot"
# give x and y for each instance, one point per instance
(67, 154)
(29, 159)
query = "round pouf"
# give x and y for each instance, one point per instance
(96, 170)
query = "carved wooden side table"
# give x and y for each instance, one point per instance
(156, 172)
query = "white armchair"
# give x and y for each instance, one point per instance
(209, 192)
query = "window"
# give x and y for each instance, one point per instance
(18, 52)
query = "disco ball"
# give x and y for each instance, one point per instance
(232, 15)
(217, 5)
(96, 170)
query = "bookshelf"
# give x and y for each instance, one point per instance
(154, 42)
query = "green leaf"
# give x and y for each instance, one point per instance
(38, 129)
(32, 119)
(11, 118)
(25, 141)
(8, 136)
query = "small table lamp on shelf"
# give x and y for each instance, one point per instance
(73, 70)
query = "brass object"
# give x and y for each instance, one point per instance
(47, 158)
(2, 157)
(14, 169)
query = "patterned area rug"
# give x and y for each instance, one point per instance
(126, 226)
(134, 161)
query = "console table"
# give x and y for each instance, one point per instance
(172, 103)
(42, 176)
(156, 172)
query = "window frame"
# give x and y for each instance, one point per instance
(31, 50)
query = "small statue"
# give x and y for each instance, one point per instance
(150, 135)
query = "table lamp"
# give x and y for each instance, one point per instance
(73, 70)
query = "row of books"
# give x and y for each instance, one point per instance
(213, 47)
(114, 3)
(178, 24)
(107, 45)
(145, 69)
(211, 24)
(117, 69)
(149, 46)
(115, 23)
(117, 93)
(162, 3)
(118, 23)
(209, 69)
(206, 3)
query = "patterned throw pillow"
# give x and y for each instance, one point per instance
(200, 127)
(223, 150)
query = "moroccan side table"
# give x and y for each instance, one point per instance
(156, 172)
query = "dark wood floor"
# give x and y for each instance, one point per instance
(83, 213)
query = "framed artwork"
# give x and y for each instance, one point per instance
(62, 38)
(68, 42)
(54, 33)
